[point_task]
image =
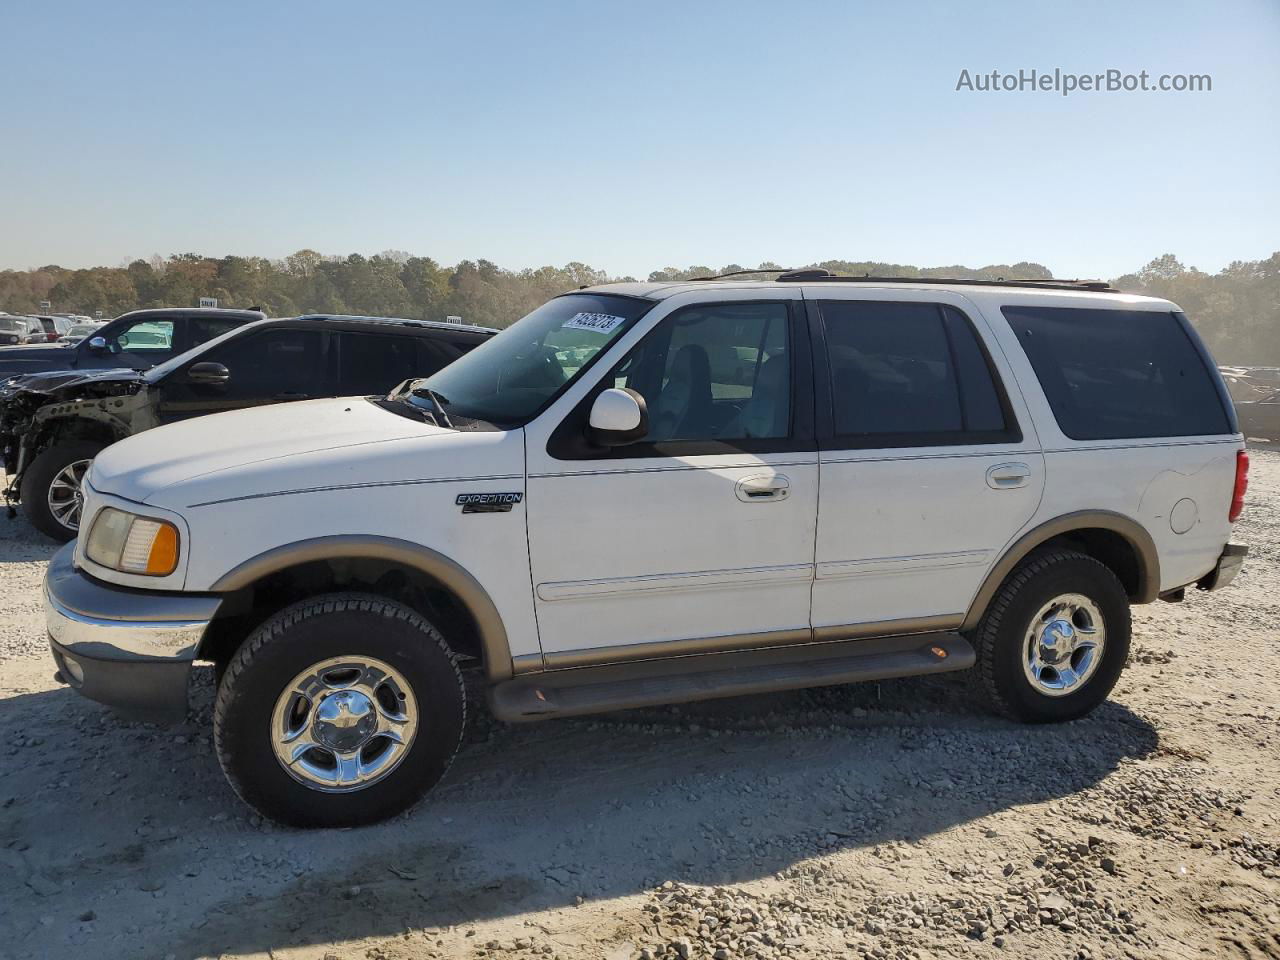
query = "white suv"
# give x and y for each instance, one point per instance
(649, 493)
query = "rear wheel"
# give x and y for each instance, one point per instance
(51, 488)
(338, 711)
(1055, 638)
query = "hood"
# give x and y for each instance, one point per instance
(54, 381)
(254, 450)
(36, 357)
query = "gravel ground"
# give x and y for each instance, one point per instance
(891, 820)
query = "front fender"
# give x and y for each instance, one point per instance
(451, 575)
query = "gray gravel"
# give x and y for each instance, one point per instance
(894, 820)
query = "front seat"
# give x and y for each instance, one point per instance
(768, 412)
(684, 408)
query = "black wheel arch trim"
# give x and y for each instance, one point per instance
(1134, 534)
(450, 574)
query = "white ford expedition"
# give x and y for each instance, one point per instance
(652, 493)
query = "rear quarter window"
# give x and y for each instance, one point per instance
(1120, 374)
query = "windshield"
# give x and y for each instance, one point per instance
(508, 380)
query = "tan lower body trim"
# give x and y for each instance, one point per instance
(889, 628)
(665, 649)
(661, 649)
(526, 663)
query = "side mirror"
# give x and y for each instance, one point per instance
(214, 374)
(98, 344)
(618, 417)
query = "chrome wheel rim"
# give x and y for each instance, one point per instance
(1064, 645)
(65, 495)
(344, 724)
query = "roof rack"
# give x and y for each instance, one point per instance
(820, 275)
(748, 273)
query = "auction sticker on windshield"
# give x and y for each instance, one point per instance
(599, 322)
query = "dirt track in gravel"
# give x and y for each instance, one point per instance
(891, 820)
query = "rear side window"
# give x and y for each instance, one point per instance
(374, 364)
(436, 354)
(910, 374)
(1119, 374)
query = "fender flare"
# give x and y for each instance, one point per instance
(455, 578)
(1134, 533)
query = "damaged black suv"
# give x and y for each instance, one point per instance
(53, 424)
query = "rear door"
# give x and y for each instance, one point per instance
(929, 463)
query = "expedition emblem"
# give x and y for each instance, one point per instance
(488, 502)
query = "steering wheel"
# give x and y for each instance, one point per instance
(549, 368)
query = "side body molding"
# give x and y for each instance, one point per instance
(493, 635)
(1132, 531)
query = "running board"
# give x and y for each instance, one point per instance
(648, 683)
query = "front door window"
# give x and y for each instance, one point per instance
(146, 338)
(714, 373)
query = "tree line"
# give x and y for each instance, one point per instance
(1237, 309)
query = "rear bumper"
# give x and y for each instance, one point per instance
(129, 649)
(1227, 567)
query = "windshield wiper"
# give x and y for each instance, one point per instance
(437, 404)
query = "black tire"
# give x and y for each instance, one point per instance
(1001, 639)
(37, 478)
(310, 632)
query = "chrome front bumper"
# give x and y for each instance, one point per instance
(131, 649)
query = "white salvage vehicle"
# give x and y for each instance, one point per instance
(652, 493)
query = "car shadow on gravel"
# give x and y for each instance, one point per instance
(19, 541)
(531, 817)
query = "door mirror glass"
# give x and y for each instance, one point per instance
(98, 344)
(618, 417)
(209, 373)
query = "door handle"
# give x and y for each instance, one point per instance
(761, 488)
(1008, 476)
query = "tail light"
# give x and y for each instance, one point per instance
(1242, 484)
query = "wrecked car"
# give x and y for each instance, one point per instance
(53, 424)
(1255, 391)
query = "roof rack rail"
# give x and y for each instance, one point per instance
(747, 273)
(819, 275)
(810, 273)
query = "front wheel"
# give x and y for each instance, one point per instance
(341, 710)
(1055, 638)
(51, 488)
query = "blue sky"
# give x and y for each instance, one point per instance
(635, 136)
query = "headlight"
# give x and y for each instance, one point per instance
(133, 544)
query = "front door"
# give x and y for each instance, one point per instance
(701, 535)
(270, 365)
(929, 465)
